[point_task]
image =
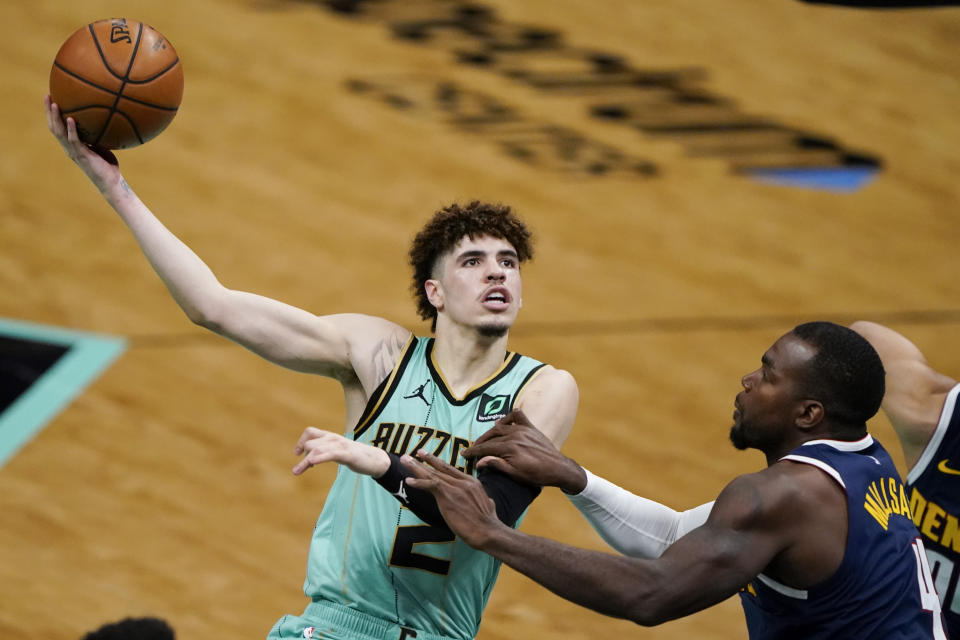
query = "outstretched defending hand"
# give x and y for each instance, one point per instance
(517, 448)
(467, 509)
(318, 446)
(100, 165)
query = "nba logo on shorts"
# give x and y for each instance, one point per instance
(307, 633)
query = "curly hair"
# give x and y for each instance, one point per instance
(846, 374)
(448, 227)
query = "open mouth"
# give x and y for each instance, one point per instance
(496, 298)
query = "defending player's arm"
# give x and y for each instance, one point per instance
(631, 524)
(338, 345)
(745, 531)
(510, 496)
(914, 393)
(552, 396)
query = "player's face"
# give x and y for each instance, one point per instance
(478, 285)
(768, 405)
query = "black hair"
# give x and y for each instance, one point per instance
(846, 375)
(133, 629)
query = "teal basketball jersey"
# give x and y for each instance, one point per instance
(372, 554)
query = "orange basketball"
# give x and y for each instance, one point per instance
(120, 80)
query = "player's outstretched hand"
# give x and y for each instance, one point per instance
(467, 509)
(318, 446)
(100, 165)
(517, 448)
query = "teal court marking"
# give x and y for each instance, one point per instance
(87, 356)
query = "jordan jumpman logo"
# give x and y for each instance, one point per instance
(419, 393)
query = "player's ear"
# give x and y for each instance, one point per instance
(434, 293)
(809, 414)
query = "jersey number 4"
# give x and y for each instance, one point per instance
(928, 594)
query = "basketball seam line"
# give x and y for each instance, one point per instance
(103, 58)
(133, 125)
(111, 91)
(156, 75)
(124, 79)
(107, 66)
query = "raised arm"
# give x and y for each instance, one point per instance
(345, 346)
(915, 391)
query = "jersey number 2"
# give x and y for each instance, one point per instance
(409, 537)
(928, 594)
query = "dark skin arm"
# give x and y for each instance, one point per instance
(760, 523)
(518, 449)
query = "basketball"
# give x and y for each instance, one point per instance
(120, 80)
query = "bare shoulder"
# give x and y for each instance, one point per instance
(373, 345)
(549, 384)
(804, 479)
(550, 377)
(776, 495)
(804, 492)
(550, 401)
(745, 501)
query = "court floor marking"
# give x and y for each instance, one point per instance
(87, 356)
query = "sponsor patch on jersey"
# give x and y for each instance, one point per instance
(492, 408)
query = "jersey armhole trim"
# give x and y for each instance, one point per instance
(385, 390)
(790, 592)
(820, 464)
(523, 385)
(930, 451)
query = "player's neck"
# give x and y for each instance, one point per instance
(823, 432)
(465, 357)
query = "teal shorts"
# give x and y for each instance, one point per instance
(324, 620)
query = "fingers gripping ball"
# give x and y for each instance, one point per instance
(120, 79)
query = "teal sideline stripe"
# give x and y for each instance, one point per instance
(88, 355)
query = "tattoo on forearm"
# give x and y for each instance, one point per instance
(125, 186)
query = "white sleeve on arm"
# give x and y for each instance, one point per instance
(633, 525)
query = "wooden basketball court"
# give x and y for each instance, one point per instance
(165, 489)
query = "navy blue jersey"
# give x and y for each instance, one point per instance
(934, 487)
(882, 589)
